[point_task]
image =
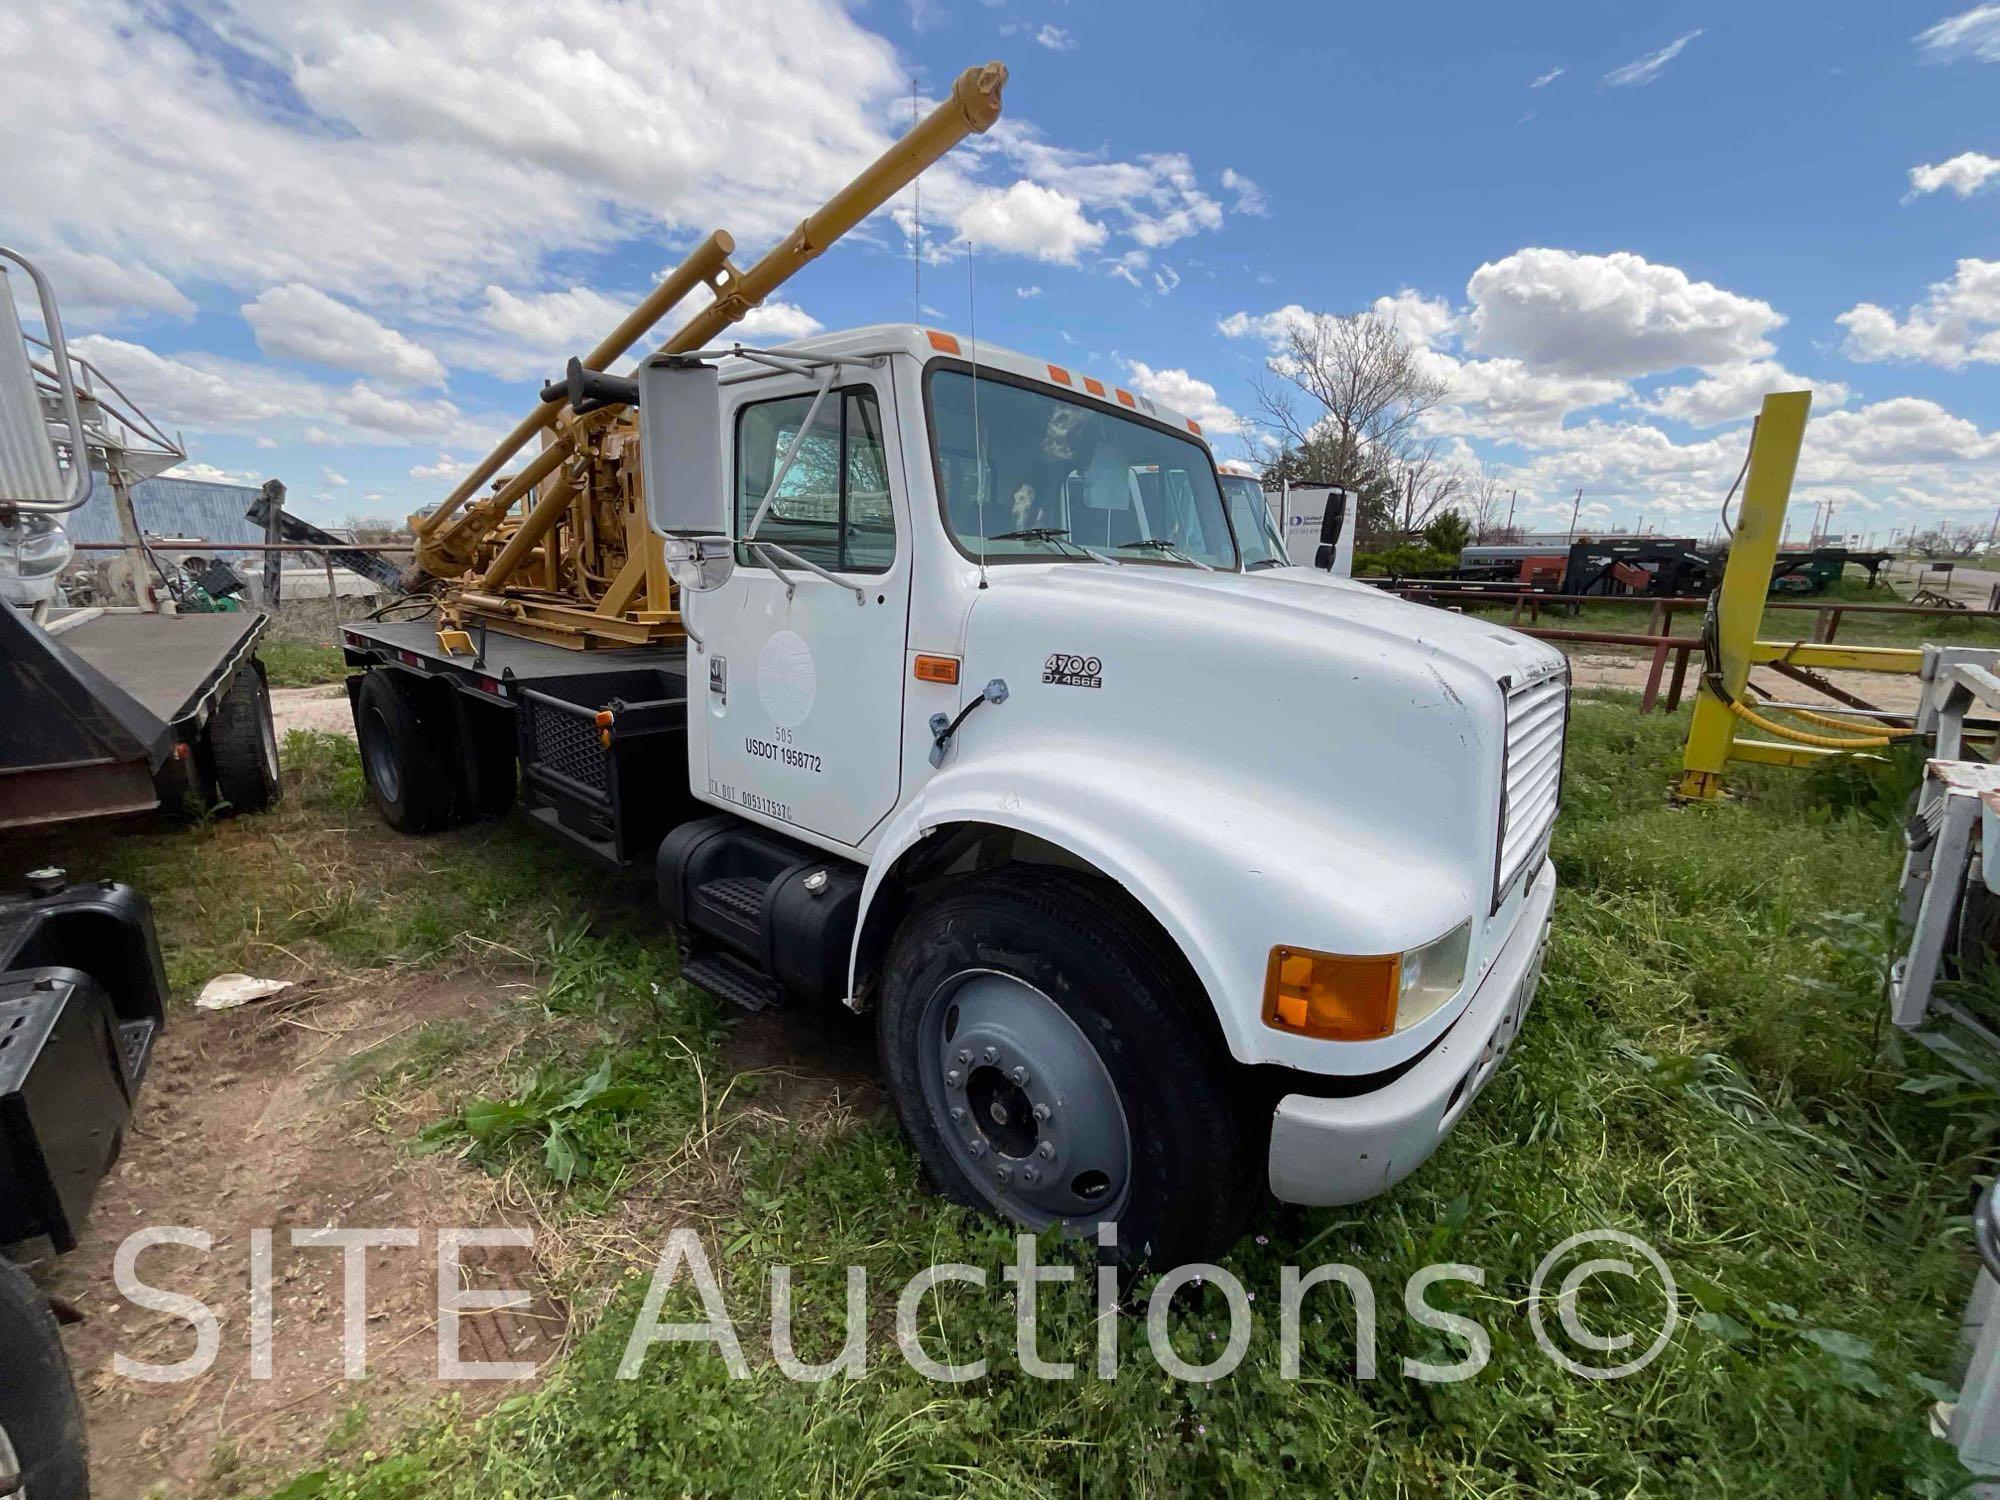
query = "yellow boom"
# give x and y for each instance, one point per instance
(585, 458)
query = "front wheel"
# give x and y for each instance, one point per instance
(1049, 1061)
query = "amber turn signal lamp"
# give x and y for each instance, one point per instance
(944, 343)
(937, 669)
(1331, 997)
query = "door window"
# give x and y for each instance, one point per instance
(832, 507)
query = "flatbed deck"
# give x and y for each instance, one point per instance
(510, 658)
(101, 703)
(600, 736)
(169, 663)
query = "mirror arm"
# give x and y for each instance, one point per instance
(775, 551)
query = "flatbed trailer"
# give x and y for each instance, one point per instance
(114, 712)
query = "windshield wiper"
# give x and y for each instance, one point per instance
(1171, 548)
(1264, 562)
(1055, 536)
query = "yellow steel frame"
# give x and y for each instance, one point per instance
(1746, 581)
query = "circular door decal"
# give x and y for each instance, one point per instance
(786, 678)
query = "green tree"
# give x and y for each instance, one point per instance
(1449, 532)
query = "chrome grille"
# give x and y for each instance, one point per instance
(1537, 715)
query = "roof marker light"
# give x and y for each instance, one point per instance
(1194, 427)
(1061, 376)
(944, 343)
(1095, 387)
(1125, 398)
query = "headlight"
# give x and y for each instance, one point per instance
(1342, 998)
(1432, 975)
(33, 550)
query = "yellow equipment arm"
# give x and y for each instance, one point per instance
(446, 550)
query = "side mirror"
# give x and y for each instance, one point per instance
(680, 427)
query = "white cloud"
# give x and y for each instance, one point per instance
(1973, 34)
(1965, 174)
(1029, 219)
(1187, 395)
(1613, 315)
(446, 467)
(1250, 198)
(210, 474)
(1957, 324)
(1647, 68)
(1165, 280)
(1055, 39)
(207, 393)
(1027, 292)
(398, 418)
(1734, 392)
(300, 322)
(95, 289)
(1547, 78)
(338, 481)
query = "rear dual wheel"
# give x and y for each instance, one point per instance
(1048, 1060)
(431, 762)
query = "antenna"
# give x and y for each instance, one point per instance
(978, 458)
(916, 221)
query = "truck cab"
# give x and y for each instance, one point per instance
(1166, 882)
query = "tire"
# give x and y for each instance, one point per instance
(409, 752)
(1121, 1109)
(41, 1420)
(243, 745)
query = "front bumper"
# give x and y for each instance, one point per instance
(1328, 1151)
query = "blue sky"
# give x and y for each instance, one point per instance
(339, 244)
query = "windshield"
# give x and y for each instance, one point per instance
(1250, 515)
(1049, 478)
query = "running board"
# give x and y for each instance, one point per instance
(728, 978)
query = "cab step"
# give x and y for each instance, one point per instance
(728, 978)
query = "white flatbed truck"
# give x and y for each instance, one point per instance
(1167, 881)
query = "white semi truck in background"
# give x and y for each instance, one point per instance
(1301, 526)
(1168, 879)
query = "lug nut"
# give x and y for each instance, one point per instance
(1041, 1111)
(958, 1117)
(1046, 1151)
(1030, 1175)
(1003, 1174)
(977, 1148)
(964, 1058)
(1020, 1076)
(990, 1056)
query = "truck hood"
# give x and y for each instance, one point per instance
(1292, 760)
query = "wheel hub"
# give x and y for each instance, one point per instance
(1024, 1102)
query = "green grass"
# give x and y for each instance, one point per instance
(1705, 1068)
(300, 664)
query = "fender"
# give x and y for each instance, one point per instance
(1227, 873)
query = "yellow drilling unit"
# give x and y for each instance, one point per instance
(560, 550)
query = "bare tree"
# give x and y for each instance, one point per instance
(376, 529)
(1484, 503)
(1349, 385)
(1428, 484)
(1947, 541)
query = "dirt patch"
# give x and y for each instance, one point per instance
(1895, 691)
(250, 1120)
(316, 708)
